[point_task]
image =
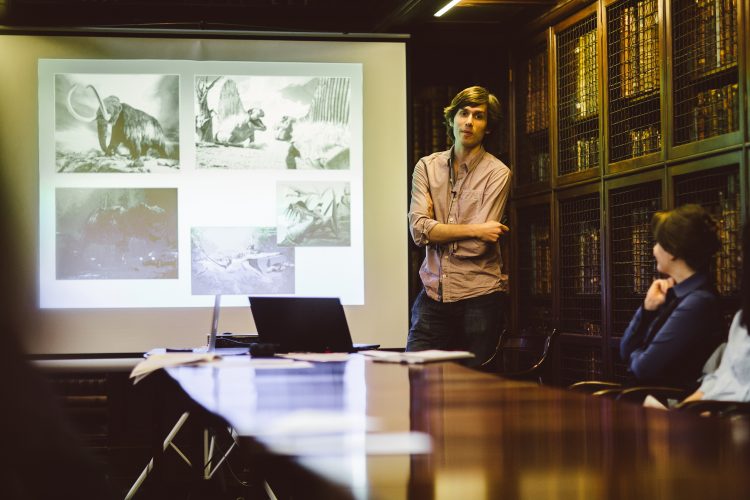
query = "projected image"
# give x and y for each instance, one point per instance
(314, 214)
(116, 123)
(104, 233)
(240, 260)
(272, 122)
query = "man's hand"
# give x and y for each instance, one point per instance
(490, 231)
(657, 293)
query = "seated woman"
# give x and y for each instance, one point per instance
(678, 326)
(731, 380)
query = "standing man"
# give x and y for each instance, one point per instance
(457, 200)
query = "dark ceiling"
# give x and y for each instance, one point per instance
(337, 16)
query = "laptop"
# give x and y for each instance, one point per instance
(304, 324)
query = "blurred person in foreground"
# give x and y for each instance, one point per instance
(42, 456)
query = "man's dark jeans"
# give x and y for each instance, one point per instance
(471, 325)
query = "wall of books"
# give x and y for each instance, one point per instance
(535, 261)
(718, 190)
(706, 71)
(580, 265)
(632, 266)
(578, 97)
(533, 159)
(667, 116)
(633, 81)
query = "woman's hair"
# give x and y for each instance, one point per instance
(688, 233)
(745, 280)
(472, 96)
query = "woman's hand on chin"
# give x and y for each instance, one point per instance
(657, 293)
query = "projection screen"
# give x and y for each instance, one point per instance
(162, 171)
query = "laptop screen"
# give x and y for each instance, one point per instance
(302, 324)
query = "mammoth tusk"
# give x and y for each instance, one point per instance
(72, 111)
(103, 108)
(77, 115)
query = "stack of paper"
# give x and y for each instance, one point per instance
(156, 361)
(417, 357)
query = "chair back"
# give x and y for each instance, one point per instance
(526, 356)
(716, 408)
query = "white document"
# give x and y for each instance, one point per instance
(163, 360)
(652, 402)
(417, 357)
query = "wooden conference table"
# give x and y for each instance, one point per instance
(361, 429)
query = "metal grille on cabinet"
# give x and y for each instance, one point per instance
(578, 98)
(718, 191)
(633, 264)
(535, 267)
(633, 69)
(580, 269)
(579, 362)
(533, 119)
(706, 89)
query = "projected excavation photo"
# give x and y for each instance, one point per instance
(240, 261)
(116, 233)
(314, 214)
(116, 123)
(272, 122)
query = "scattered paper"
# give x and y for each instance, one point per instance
(163, 360)
(652, 402)
(417, 357)
(316, 356)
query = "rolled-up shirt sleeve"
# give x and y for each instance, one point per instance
(421, 210)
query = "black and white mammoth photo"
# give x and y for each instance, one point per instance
(133, 129)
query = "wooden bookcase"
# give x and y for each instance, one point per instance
(647, 111)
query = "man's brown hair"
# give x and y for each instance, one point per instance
(472, 96)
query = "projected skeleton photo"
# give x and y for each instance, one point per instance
(240, 261)
(272, 122)
(116, 123)
(104, 233)
(314, 214)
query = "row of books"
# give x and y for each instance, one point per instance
(728, 226)
(644, 140)
(586, 153)
(585, 102)
(587, 279)
(541, 260)
(715, 35)
(716, 112)
(537, 94)
(641, 241)
(644, 271)
(639, 48)
(539, 167)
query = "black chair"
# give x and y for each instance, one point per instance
(523, 357)
(490, 365)
(595, 386)
(715, 408)
(662, 393)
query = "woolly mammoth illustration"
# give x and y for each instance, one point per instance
(121, 124)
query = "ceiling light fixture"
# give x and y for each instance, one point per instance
(446, 8)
